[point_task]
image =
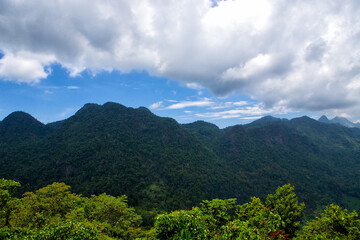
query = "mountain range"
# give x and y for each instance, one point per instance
(161, 164)
(340, 121)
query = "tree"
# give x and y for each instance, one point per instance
(333, 223)
(183, 224)
(47, 205)
(7, 190)
(253, 221)
(113, 216)
(285, 203)
(55, 209)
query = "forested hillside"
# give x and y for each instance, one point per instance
(160, 164)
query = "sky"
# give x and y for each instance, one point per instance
(225, 62)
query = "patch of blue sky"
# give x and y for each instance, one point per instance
(59, 96)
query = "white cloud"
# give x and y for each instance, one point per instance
(247, 112)
(252, 118)
(255, 66)
(221, 105)
(72, 87)
(23, 67)
(187, 104)
(156, 105)
(240, 103)
(67, 112)
(297, 54)
(171, 100)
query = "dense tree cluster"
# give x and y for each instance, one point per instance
(54, 212)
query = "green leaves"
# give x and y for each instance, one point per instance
(53, 212)
(47, 205)
(184, 224)
(7, 190)
(333, 223)
(285, 203)
(221, 219)
(220, 211)
(113, 215)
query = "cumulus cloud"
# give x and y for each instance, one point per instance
(26, 68)
(296, 54)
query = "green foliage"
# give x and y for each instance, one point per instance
(113, 216)
(253, 221)
(17, 233)
(218, 219)
(285, 203)
(47, 205)
(250, 229)
(69, 230)
(181, 225)
(60, 231)
(334, 223)
(250, 209)
(7, 190)
(219, 211)
(53, 212)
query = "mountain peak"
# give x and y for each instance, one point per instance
(338, 120)
(323, 119)
(21, 123)
(20, 117)
(265, 120)
(343, 121)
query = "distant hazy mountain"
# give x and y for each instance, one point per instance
(339, 120)
(162, 164)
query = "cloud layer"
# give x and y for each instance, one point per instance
(299, 54)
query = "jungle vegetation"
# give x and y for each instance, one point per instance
(54, 212)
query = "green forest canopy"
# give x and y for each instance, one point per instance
(54, 212)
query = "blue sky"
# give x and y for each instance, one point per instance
(60, 96)
(226, 63)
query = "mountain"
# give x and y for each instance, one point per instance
(324, 119)
(266, 120)
(339, 120)
(19, 126)
(119, 150)
(159, 163)
(343, 122)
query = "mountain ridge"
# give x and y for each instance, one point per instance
(162, 164)
(340, 121)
